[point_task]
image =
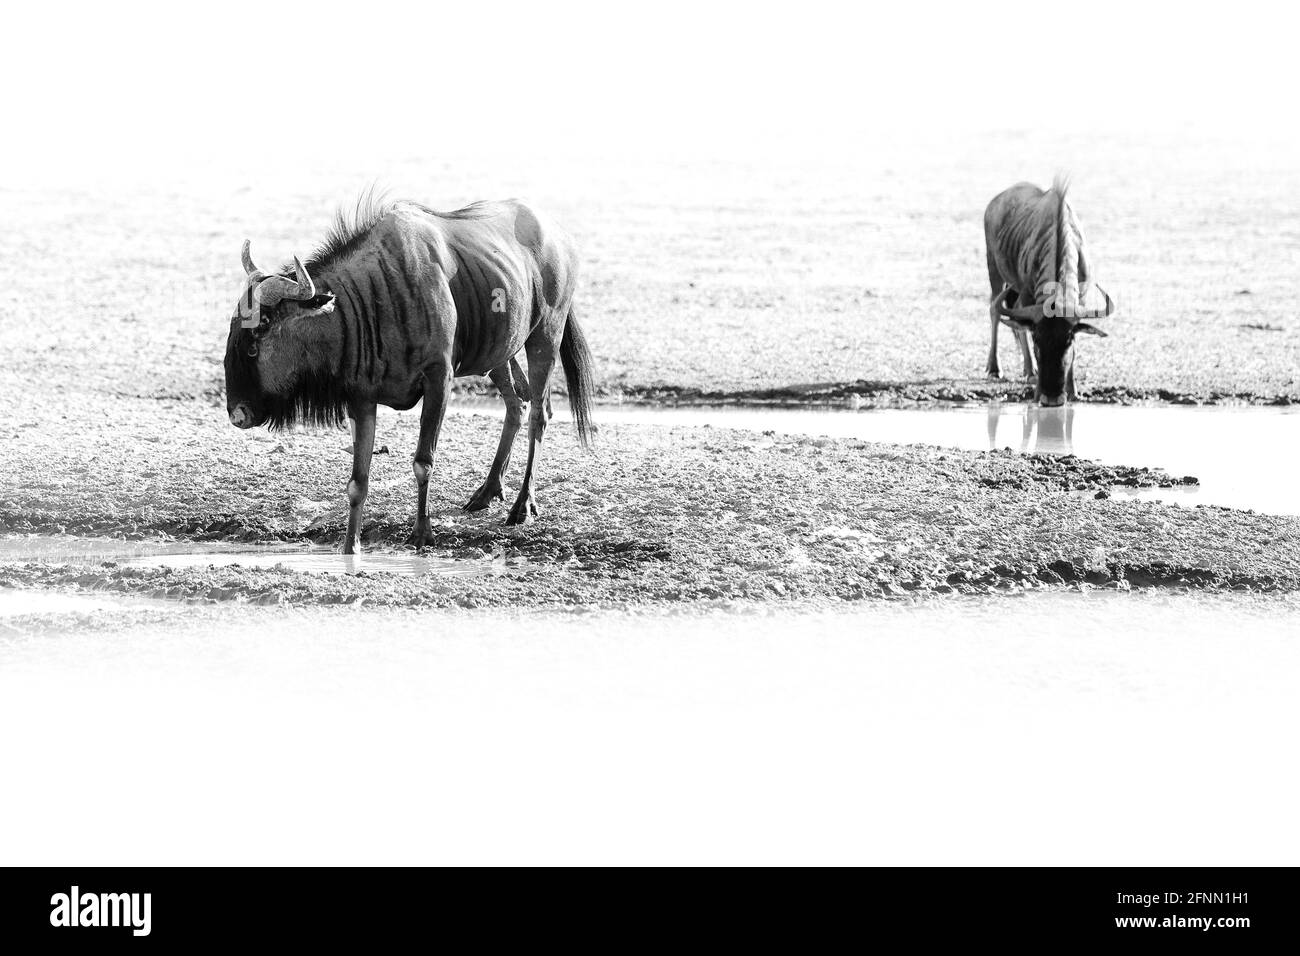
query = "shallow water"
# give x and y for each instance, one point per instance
(1244, 457)
(70, 549)
(15, 602)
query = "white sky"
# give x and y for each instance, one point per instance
(139, 85)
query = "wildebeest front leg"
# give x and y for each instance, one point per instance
(1069, 383)
(992, 368)
(363, 445)
(437, 382)
(512, 383)
(541, 360)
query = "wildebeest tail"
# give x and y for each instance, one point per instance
(575, 356)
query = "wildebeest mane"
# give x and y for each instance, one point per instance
(314, 399)
(351, 227)
(349, 230)
(477, 210)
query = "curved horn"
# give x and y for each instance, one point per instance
(306, 287)
(246, 254)
(1031, 312)
(1110, 310)
(1111, 307)
(272, 289)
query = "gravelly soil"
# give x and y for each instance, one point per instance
(657, 515)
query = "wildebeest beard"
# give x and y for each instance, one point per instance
(315, 399)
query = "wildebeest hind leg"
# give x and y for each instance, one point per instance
(541, 361)
(513, 386)
(437, 382)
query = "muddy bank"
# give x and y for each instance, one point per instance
(657, 515)
(855, 394)
(871, 394)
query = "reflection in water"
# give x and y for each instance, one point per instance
(1049, 430)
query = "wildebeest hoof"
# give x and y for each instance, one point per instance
(993, 372)
(487, 493)
(420, 535)
(523, 512)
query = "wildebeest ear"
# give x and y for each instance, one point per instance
(322, 304)
(1087, 329)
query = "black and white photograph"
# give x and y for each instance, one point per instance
(679, 434)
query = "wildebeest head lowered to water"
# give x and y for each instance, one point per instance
(397, 302)
(1041, 283)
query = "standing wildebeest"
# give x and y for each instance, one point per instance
(1040, 280)
(394, 304)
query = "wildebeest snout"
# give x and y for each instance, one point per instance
(241, 416)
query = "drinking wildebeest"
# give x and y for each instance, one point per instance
(1041, 282)
(394, 304)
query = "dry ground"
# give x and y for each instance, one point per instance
(657, 515)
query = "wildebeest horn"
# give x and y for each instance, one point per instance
(247, 255)
(306, 287)
(1031, 312)
(1110, 310)
(273, 289)
(1111, 307)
